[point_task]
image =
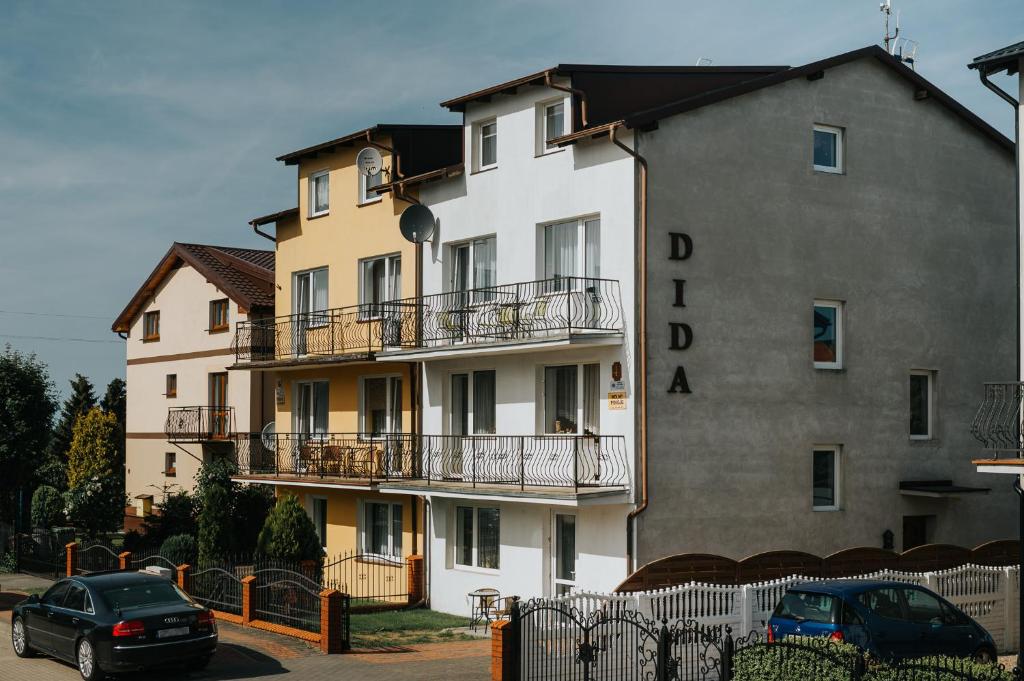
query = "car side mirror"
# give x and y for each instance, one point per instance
(936, 622)
(34, 598)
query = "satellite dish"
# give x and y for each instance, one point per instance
(369, 162)
(417, 223)
(268, 438)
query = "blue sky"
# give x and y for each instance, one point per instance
(127, 125)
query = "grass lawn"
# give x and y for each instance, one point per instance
(405, 627)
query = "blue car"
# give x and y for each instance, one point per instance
(889, 620)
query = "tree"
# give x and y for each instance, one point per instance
(252, 505)
(81, 400)
(47, 507)
(216, 472)
(115, 402)
(94, 447)
(288, 533)
(27, 406)
(177, 516)
(96, 504)
(179, 549)
(216, 526)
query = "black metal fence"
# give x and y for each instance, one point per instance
(97, 556)
(143, 559)
(370, 580)
(42, 553)
(997, 423)
(217, 589)
(327, 333)
(199, 423)
(287, 598)
(320, 455)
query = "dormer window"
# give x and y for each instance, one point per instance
(319, 188)
(550, 124)
(487, 144)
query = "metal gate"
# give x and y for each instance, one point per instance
(41, 554)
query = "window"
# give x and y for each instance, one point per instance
(481, 419)
(310, 408)
(572, 249)
(828, 334)
(551, 124)
(382, 529)
(828, 149)
(172, 386)
(320, 519)
(564, 553)
(563, 410)
(474, 267)
(381, 407)
(170, 459)
(367, 181)
(309, 296)
(319, 188)
(477, 537)
(380, 281)
(921, 405)
(826, 479)
(922, 607)
(55, 595)
(218, 315)
(78, 599)
(487, 145)
(883, 602)
(220, 415)
(916, 530)
(151, 326)
(807, 607)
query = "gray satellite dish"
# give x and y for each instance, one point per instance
(369, 161)
(417, 223)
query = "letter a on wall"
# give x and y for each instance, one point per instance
(679, 382)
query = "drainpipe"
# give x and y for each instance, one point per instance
(641, 163)
(549, 82)
(256, 228)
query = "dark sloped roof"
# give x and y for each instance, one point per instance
(274, 217)
(245, 275)
(1005, 58)
(421, 147)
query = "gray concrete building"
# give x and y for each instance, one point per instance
(846, 234)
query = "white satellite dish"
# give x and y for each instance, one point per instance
(369, 162)
(269, 436)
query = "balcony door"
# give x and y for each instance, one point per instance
(572, 264)
(472, 277)
(471, 414)
(563, 553)
(309, 296)
(218, 425)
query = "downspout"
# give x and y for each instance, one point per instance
(256, 228)
(573, 91)
(642, 342)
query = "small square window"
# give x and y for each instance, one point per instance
(478, 537)
(151, 326)
(828, 334)
(218, 315)
(921, 409)
(828, 149)
(172, 386)
(487, 145)
(825, 495)
(550, 124)
(170, 459)
(319, 191)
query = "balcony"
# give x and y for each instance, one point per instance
(199, 424)
(536, 464)
(997, 426)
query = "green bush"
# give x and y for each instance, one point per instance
(958, 669)
(216, 526)
(96, 505)
(177, 516)
(800, 657)
(288, 533)
(8, 562)
(47, 507)
(180, 549)
(251, 508)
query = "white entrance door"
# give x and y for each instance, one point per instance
(563, 541)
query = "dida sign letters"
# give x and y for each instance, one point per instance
(682, 334)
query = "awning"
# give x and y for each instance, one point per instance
(938, 489)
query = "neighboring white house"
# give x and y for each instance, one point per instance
(182, 406)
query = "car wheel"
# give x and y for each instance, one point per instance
(19, 638)
(984, 656)
(87, 665)
(198, 664)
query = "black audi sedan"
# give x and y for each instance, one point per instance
(115, 621)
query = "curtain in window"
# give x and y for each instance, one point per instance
(484, 265)
(592, 254)
(489, 544)
(377, 528)
(319, 290)
(320, 398)
(483, 402)
(396, 530)
(320, 190)
(591, 399)
(560, 399)
(395, 405)
(304, 408)
(553, 122)
(302, 296)
(560, 250)
(375, 405)
(394, 291)
(464, 535)
(460, 405)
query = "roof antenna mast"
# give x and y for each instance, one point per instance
(902, 48)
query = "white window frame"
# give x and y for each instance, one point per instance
(581, 265)
(472, 283)
(364, 535)
(840, 143)
(313, 177)
(475, 567)
(581, 411)
(368, 309)
(555, 581)
(930, 376)
(297, 387)
(313, 498)
(837, 476)
(364, 426)
(364, 186)
(470, 375)
(478, 144)
(542, 125)
(840, 308)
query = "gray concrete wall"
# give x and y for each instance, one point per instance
(918, 238)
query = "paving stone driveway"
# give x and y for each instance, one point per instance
(253, 654)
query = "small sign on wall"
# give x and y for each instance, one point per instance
(279, 392)
(616, 386)
(617, 400)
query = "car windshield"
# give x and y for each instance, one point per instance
(143, 595)
(807, 607)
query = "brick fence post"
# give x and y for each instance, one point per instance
(123, 559)
(416, 574)
(248, 600)
(501, 651)
(184, 577)
(333, 635)
(71, 559)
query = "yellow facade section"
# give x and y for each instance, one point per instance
(344, 394)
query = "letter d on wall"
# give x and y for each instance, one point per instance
(687, 336)
(682, 246)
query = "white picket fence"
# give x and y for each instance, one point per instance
(988, 594)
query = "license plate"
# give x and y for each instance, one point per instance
(169, 633)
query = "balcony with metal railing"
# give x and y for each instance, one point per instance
(542, 465)
(199, 424)
(997, 426)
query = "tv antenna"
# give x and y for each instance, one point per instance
(416, 223)
(369, 162)
(903, 49)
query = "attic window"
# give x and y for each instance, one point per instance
(151, 326)
(219, 315)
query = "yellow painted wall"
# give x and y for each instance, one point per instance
(343, 398)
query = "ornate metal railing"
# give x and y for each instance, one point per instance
(512, 312)
(515, 460)
(199, 424)
(997, 424)
(357, 330)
